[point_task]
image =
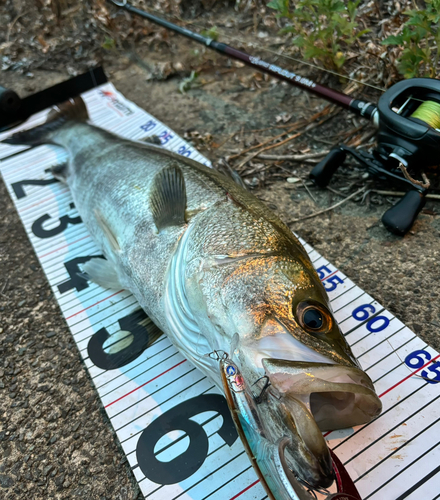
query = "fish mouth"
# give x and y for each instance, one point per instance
(305, 399)
(336, 396)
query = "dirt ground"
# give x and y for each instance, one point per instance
(56, 441)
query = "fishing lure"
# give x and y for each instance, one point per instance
(268, 460)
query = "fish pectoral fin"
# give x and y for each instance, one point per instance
(113, 240)
(138, 331)
(168, 197)
(102, 272)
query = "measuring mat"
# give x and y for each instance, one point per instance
(144, 391)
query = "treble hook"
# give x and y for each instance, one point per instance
(215, 355)
(259, 399)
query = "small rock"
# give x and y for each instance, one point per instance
(6, 481)
(47, 469)
(50, 334)
(60, 480)
(21, 303)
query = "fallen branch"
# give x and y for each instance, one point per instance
(425, 184)
(401, 193)
(336, 205)
(292, 127)
(307, 156)
(272, 146)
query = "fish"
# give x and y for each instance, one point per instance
(228, 282)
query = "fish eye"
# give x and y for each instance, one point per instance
(313, 317)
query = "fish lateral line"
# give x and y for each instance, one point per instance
(221, 260)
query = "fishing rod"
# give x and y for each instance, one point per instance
(407, 117)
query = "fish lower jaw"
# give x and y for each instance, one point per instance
(306, 452)
(335, 396)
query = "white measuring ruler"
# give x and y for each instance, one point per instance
(173, 424)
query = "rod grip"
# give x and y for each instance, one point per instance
(400, 217)
(323, 172)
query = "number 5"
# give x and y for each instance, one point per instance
(334, 282)
(435, 368)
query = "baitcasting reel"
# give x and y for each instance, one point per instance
(408, 119)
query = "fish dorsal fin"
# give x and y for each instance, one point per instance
(168, 197)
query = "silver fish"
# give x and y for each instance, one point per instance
(217, 271)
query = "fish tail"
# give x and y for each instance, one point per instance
(68, 111)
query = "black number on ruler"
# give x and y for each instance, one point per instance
(178, 418)
(76, 281)
(18, 186)
(129, 323)
(65, 220)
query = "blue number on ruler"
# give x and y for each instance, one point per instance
(333, 280)
(363, 312)
(165, 136)
(148, 126)
(322, 271)
(419, 358)
(184, 151)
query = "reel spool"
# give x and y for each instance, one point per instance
(428, 112)
(408, 119)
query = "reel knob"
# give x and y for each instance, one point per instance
(400, 217)
(9, 101)
(323, 172)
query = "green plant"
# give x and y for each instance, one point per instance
(189, 82)
(211, 33)
(322, 29)
(109, 43)
(419, 38)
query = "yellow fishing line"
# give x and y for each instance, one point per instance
(428, 112)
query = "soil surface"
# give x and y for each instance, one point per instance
(55, 440)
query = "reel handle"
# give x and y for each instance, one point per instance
(324, 170)
(400, 217)
(9, 100)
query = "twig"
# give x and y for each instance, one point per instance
(307, 156)
(424, 185)
(13, 24)
(401, 193)
(293, 127)
(4, 287)
(272, 146)
(256, 153)
(226, 140)
(335, 191)
(329, 208)
(309, 192)
(357, 142)
(260, 169)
